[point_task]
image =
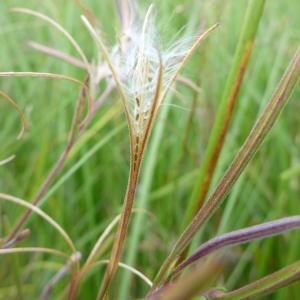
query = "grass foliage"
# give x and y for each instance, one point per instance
(79, 208)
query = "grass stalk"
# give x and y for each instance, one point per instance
(43, 215)
(33, 250)
(24, 123)
(225, 108)
(122, 229)
(137, 148)
(77, 119)
(145, 186)
(254, 140)
(56, 25)
(264, 286)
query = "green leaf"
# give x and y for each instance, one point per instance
(255, 138)
(263, 286)
(225, 108)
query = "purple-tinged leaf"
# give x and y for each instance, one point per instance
(252, 143)
(241, 236)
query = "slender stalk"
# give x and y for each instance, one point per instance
(73, 136)
(56, 168)
(128, 268)
(19, 238)
(93, 254)
(58, 54)
(225, 109)
(33, 250)
(125, 11)
(191, 284)
(122, 229)
(7, 160)
(56, 25)
(241, 236)
(247, 151)
(40, 74)
(76, 279)
(144, 190)
(38, 211)
(66, 268)
(24, 123)
(263, 286)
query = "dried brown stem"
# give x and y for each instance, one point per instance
(138, 145)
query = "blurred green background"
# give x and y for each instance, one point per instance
(87, 194)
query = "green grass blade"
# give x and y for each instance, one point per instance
(225, 109)
(246, 152)
(80, 162)
(264, 286)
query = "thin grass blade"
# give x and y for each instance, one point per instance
(24, 124)
(225, 108)
(38, 211)
(255, 138)
(40, 74)
(129, 268)
(32, 250)
(262, 287)
(191, 284)
(7, 160)
(56, 25)
(241, 236)
(57, 54)
(130, 193)
(183, 62)
(63, 271)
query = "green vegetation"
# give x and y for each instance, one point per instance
(85, 197)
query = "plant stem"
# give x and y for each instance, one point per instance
(74, 134)
(41, 191)
(263, 286)
(255, 138)
(144, 190)
(225, 110)
(138, 142)
(123, 226)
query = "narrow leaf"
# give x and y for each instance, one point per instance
(184, 60)
(129, 268)
(54, 24)
(24, 123)
(78, 116)
(193, 283)
(225, 108)
(32, 250)
(260, 130)
(38, 211)
(66, 268)
(40, 74)
(57, 54)
(241, 236)
(7, 160)
(263, 286)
